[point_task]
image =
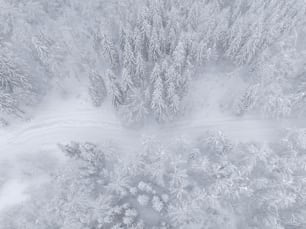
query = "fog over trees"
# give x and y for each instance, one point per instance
(152, 114)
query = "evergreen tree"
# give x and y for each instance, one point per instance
(110, 52)
(127, 81)
(172, 94)
(139, 38)
(135, 109)
(158, 104)
(115, 89)
(154, 46)
(15, 87)
(179, 56)
(128, 57)
(140, 71)
(156, 73)
(97, 89)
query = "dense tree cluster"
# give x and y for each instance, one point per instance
(145, 52)
(207, 183)
(16, 88)
(159, 45)
(277, 89)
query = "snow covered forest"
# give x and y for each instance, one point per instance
(153, 114)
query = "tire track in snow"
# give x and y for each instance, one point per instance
(63, 128)
(72, 122)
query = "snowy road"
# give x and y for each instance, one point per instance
(60, 124)
(81, 122)
(67, 121)
(60, 120)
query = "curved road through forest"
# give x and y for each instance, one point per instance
(76, 121)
